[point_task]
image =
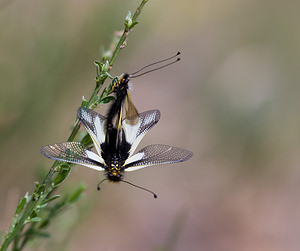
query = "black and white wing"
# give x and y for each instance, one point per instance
(73, 152)
(94, 123)
(135, 132)
(156, 155)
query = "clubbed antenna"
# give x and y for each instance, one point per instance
(133, 75)
(155, 196)
(98, 186)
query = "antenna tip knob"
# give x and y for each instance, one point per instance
(155, 196)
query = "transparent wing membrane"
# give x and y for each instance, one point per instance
(156, 155)
(73, 152)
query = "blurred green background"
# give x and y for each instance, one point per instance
(233, 100)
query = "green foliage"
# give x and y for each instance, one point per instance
(21, 206)
(77, 193)
(129, 24)
(64, 171)
(50, 199)
(87, 140)
(38, 210)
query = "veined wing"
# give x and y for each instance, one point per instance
(135, 132)
(73, 152)
(156, 155)
(132, 115)
(94, 123)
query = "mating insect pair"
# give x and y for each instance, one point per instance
(115, 140)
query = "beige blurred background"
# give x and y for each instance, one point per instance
(233, 100)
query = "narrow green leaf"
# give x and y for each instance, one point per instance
(133, 24)
(35, 219)
(21, 205)
(98, 64)
(106, 99)
(33, 214)
(43, 234)
(63, 174)
(42, 206)
(50, 199)
(77, 194)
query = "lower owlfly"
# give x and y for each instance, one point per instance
(116, 156)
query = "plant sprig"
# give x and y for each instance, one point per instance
(31, 209)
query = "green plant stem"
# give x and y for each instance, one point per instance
(125, 33)
(34, 202)
(139, 10)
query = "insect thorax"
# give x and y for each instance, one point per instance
(114, 170)
(121, 84)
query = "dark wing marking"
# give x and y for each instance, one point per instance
(73, 152)
(94, 123)
(135, 132)
(156, 155)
